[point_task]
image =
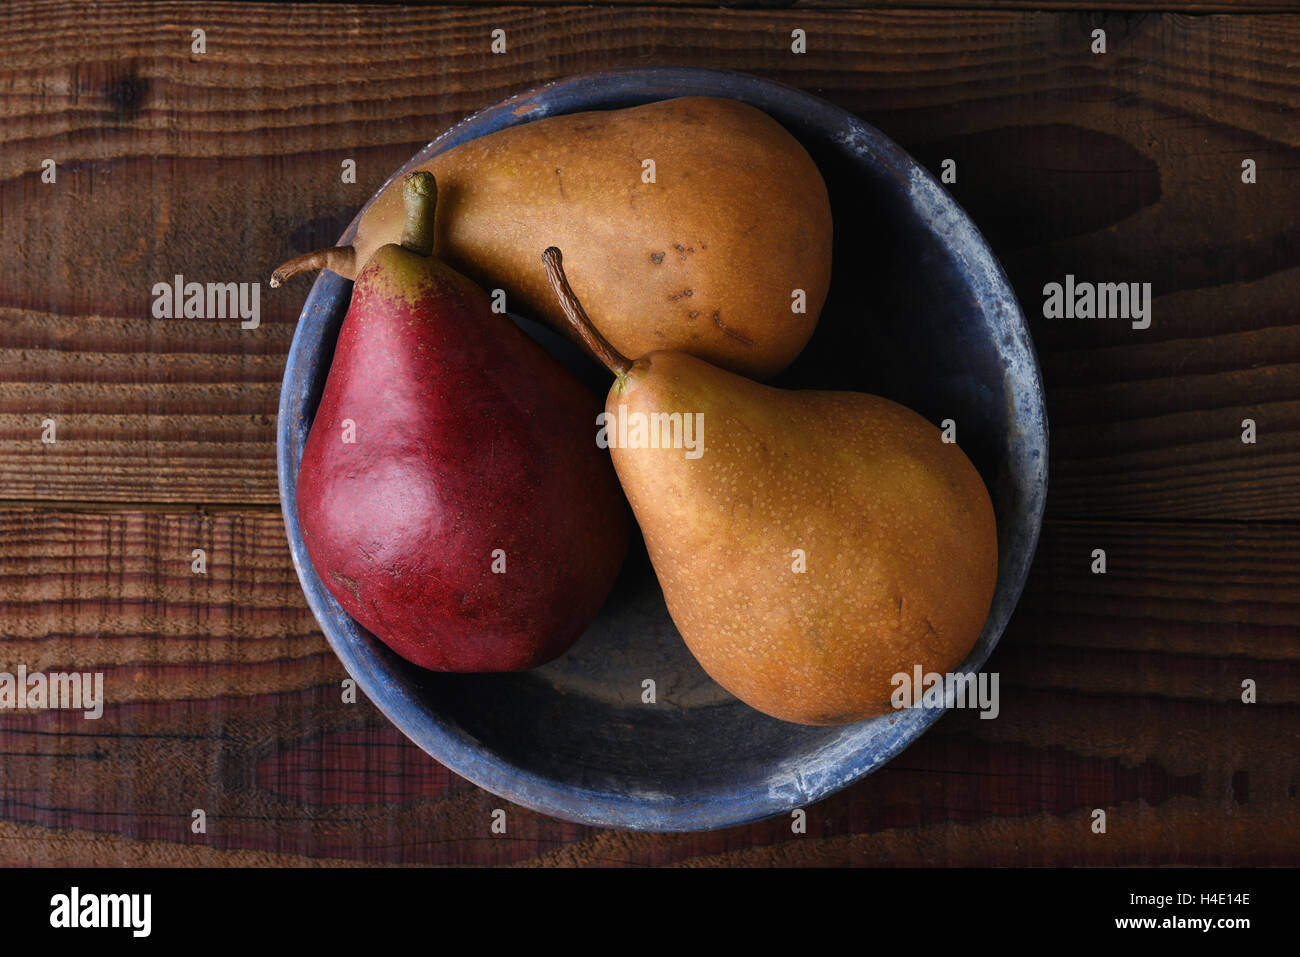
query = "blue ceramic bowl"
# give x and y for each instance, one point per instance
(919, 311)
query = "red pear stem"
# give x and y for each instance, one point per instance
(420, 193)
(590, 336)
(339, 258)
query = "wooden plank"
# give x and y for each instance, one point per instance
(1124, 167)
(118, 591)
(223, 696)
(178, 410)
(1093, 6)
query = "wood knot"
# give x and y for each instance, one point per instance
(126, 94)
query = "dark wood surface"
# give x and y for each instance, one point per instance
(1120, 691)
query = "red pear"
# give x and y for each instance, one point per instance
(451, 493)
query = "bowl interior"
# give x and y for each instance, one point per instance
(919, 311)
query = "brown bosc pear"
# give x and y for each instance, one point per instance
(450, 495)
(810, 545)
(694, 223)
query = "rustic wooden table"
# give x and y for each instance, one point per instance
(1120, 691)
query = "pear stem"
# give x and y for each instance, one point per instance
(589, 335)
(339, 258)
(420, 193)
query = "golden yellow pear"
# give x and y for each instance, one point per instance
(810, 545)
(694, 221)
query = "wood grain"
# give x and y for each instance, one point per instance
(1119, 691)
(1106, 167)
(1173, 6)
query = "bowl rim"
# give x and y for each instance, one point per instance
(453, 747)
